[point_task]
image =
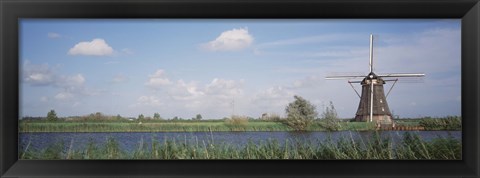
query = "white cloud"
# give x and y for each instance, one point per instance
(96, 47)
(158, 80)
(310, 81)
(223, 88)
(72, 81)
(54, 35)
(70, 86)
(37, 74)
(274, 93)
(148, 101)
(64, 96)
(231, 40)
(185, 91)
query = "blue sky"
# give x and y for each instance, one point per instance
(215, 68)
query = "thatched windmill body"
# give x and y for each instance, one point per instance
(373, 106)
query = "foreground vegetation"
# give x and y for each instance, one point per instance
(411, 147)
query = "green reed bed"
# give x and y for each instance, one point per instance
(410, 147)
(147, 127)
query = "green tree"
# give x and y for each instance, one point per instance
(156, 116)
(300, 114)
(198, 117)
(52, 116)
(141, 117)
(118, 117)
(330, 118)
(98, 116)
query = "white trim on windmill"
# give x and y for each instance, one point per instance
(373, 105)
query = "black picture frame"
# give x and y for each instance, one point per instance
(13, 10)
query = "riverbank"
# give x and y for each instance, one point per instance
(220, 126)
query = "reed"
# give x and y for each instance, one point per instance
(411, 147)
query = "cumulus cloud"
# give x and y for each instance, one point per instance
(272, 99)
(158, 80)
(231, 40)
(148, 101)
(274, 93)
(54, 35)
(43, 75)
(185, 91)
(96, 47)
(64, 96)
(223, 88)
(71, 81)
(38, 74)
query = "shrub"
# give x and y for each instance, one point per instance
(448, 123)
(236, 121)
(300, 114)
(52, 116)
(330, 118)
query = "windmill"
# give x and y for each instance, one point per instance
(373, 105)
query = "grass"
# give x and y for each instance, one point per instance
(411, 147)
(66, 126)
(241, 124)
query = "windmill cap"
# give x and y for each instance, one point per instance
(372, 75)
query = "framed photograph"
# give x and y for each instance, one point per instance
(239, 89)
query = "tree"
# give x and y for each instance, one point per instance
(141, 117)
(52, 116)
(119, 117)
(330, 118)
(198, 117)
(300, 114)
(98, 115)
(156, 116)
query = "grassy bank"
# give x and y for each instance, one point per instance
(148, 127)
(190, 126)
(411, 147)
(449, 123)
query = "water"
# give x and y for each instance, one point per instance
(130, 141)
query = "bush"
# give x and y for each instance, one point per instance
(448, 123)
(236, 121)
(300, 114)
(52, 116)
(271, 117)
(330, 118)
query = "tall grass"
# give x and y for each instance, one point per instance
(411, 147)
(237, 123)
(150, 127)
(447, 123)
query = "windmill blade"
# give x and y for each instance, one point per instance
(340, 77)
(402, 75)
(371, 53)
(354, 81)
(371, 101)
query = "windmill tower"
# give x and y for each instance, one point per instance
(373, 106)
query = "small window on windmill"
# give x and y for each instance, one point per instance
(383, 109)
(381, 101)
